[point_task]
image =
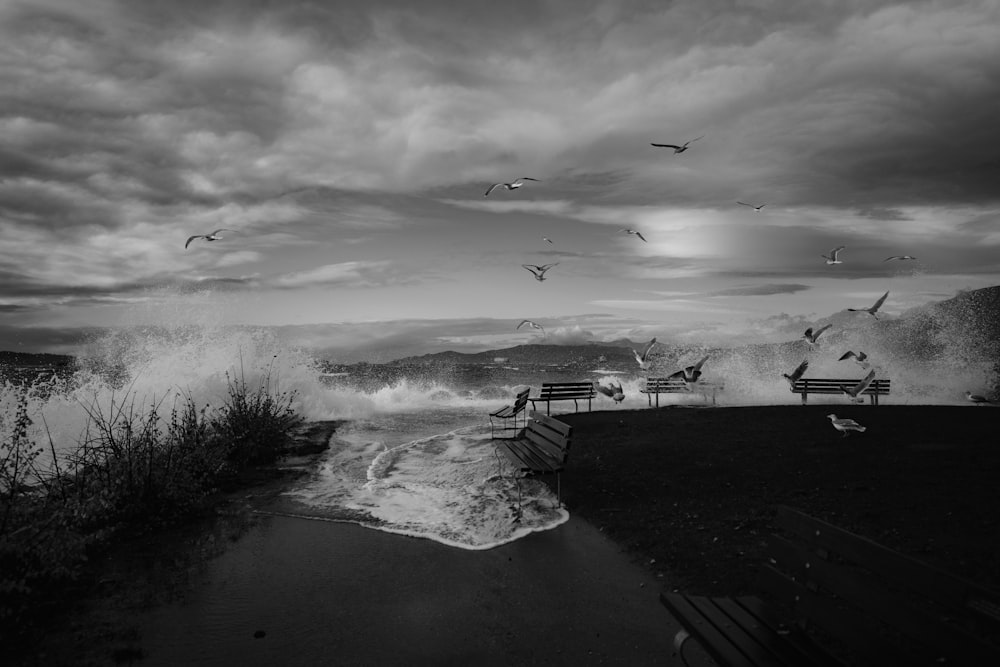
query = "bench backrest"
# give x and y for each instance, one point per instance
(557, 390)
(833, 386)
(549, 434)
(664, 383)
(520, 401)
(878, 603)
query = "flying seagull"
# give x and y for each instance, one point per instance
(860, 358)
(813, 336)
(632, 231)
(546, 238)
(889, 259)
(690, 374)
(533, 325)
(857, 389)
(614, 392)
(872, 310)
(755, 208)
(641, 358)
(832, 258)
(678, 149)
(977, 399)
(214, 236)
(796, 374)
(845, 426)
(514, 185)
(539, 271)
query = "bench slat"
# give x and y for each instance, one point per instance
(791, 632)
(870, 597)
(712, 639)
(529, 458)
(833, 620)
(753, 640)
(959, 595)
(787, 652)
(834, 386)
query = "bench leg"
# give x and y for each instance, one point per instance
(804, 394)
(679, 639)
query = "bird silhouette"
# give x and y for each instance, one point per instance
(214, 236)
(845, 426)
(833, 256)
(642, 358)
(860, 358)
(796, 374)
(812, 337)
(889, 259)
(634, 233)
(547, 239)
(977, 399)
(690, 374)
(678, 149)
(855, 391)
(513, 185)
(755, 208)
(872, 309)
(533, 325)
(539, 271)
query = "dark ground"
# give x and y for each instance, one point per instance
(690, 492)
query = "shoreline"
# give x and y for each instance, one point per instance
(684, 495)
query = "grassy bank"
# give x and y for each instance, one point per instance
(138, 467)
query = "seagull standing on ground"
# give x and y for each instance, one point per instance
(856, 390)
(678, 149)
(889, 259)
(690, 374)
(641, 358)
(832, 258)
(539, 271)
(214, 236)
(514, 185)
(977, 399)
(531, 324)
(873, 309)
(812, 337)
(796, 374)
(860, 358)
(633, 232)
(755, 208)
(614, 392)
(845, 426)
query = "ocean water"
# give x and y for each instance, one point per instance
(413, 454)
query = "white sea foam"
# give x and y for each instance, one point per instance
(451, 488)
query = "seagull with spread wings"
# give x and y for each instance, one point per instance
(872, 309)
(642, 358)
(214, 236)
(797, 374)
(860, 358)
(690, 374)
(855, 391)
(833, 256)
(755, 208)
(812, 337)
(513, 185)
(889, 259)
(678, 149)
(547, 239)
(634, 233)
(539, 271)
(533, 325)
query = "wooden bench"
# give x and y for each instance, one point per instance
(834, 598)
(664, 385)
(565, 391)
(542, 448)
(505, 419)
(806, 386)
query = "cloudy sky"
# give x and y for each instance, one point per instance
(348, 146)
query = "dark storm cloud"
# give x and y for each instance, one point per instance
(759, 290)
